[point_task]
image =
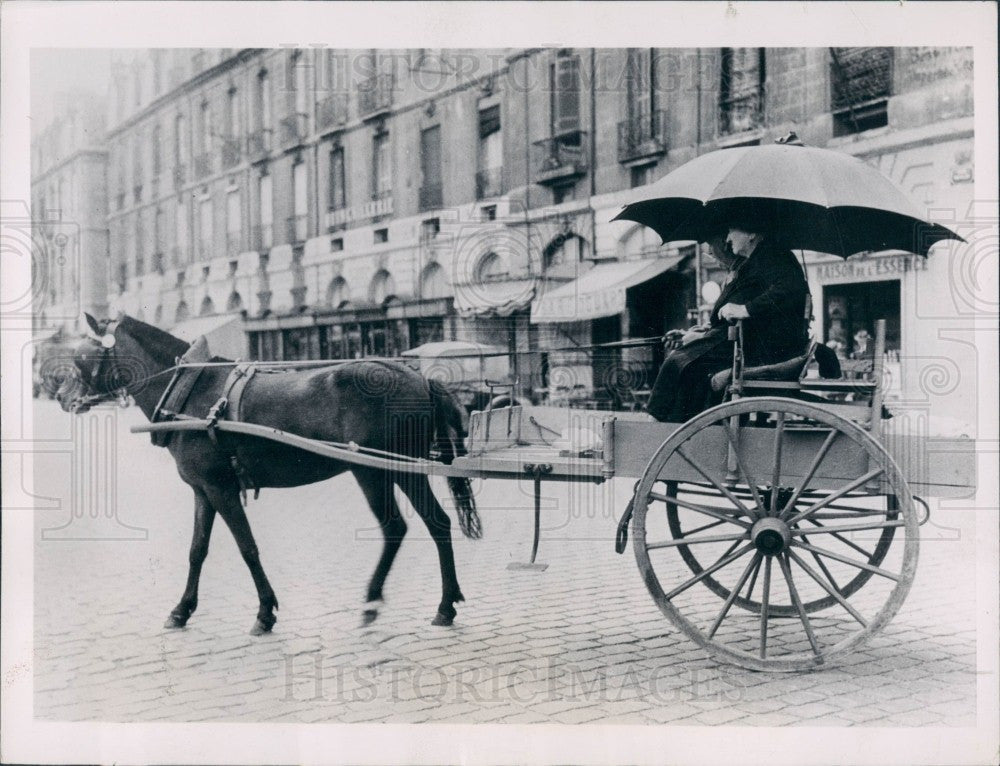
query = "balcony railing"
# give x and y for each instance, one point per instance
(560, 159)
(180, 175)
(262, 237)
(159, 262)
(203, 165)
(294, 129)
(375, 95)
(296, 228)
(431, 196)
(642, 137)
(259, 144)
(331, 113)
(741, 113)
(231, 152)
(489, 183)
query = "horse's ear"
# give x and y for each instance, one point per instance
(92, 323)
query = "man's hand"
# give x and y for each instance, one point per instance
(733, 311)
(696, 332)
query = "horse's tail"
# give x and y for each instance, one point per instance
(449, 432)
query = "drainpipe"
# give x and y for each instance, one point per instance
(697, 151)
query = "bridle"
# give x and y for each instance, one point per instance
(105, 370)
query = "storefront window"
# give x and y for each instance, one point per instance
(851, 311)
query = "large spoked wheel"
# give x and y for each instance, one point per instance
(769, 527)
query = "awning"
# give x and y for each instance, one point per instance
(598, 293)
(494, 298)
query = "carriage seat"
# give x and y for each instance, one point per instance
(788, 371)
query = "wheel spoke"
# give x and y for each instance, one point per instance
(724, 490)
(764, 606)
(845, 560)
(714, 513)
(836, 594)
(811, 472)
(835, 495)
(753, 580)
(692, 541)
(754, 562)
(724, 561)
(849, 543)
(823, 530)
(779, 433)
(787, 572)
(700, 529)
(751, 483)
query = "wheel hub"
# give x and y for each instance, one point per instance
(771, 535)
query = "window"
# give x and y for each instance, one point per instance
(266, 234)
(206, 127)
(336, 293)
(383, 287)
(381, 236)
(861, 83)
(640, 83)
(205, 229)
(233, 113)
(137, 165)
(336, 244)
(300, 203)
(488, 213)
(158, 238)
(180, 139)
(157, 142)
(430, 228)
(563, 193)
(433, 282)
(337, 191)
(431, 195)
(234, 222)
(296, 81)
(741, 89)
(263, 101)
(490, 154)
(181, 233)
(564, 75)
(491, 268)
(640, 176)
(381, 167)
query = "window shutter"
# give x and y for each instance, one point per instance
(489, 121)
(430, 156)
(565, 95)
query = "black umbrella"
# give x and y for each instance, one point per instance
(813, 199)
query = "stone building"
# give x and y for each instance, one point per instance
(347, 203)
(69, 215)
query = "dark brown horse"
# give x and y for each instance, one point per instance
(382, 405)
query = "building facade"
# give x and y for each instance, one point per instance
(360, 203)
(69, 215)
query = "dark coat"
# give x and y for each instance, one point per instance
(773, 288)
(771, 285)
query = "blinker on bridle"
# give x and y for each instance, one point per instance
(105, 369)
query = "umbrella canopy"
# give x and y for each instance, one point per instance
(814, 199)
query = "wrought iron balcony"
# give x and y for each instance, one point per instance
(489, 183)
(259, 144)
(294, 129)
(203, 165)
(642, 137)
(741, 113)
(231, 152)
(375, 95)
(296, 228)
(560, 159)
(431, 196)
(331, 113)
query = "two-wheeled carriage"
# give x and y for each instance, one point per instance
(778, 530)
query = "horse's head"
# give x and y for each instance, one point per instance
(106, 366)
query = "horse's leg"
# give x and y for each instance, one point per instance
(204, 515)
(227, 502)
(378, 487)
(418, 490)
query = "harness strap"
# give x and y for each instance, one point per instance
(229, 407)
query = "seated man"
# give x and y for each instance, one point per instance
(767, 289)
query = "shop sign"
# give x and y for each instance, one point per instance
(885, 267)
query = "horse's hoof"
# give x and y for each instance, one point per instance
(368, 617)
(174, 622)
(260, 628)
(442, 620)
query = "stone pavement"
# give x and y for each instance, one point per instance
(580, 642)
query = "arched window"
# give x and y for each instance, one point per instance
(235, 302)
(337, 293)
(207, 307)
(183, 312)
(433, 282)
(491, 268)
(566, 250)
(383, 287)
(641, 242)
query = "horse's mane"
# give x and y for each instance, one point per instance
(162, 346)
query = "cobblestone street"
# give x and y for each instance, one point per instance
(579, 642)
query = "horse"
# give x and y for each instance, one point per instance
(376, 404)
